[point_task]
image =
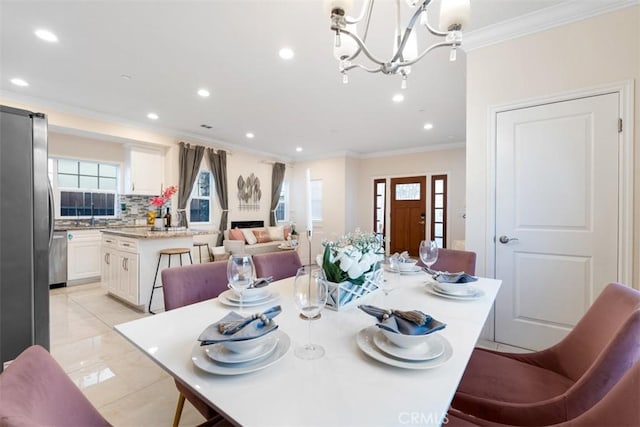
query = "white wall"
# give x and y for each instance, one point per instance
(598, 51)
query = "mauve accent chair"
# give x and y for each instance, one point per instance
(453, 261)
(279, 265)
(188, 285)
(619, 407)
(35, 391)
(560, 383)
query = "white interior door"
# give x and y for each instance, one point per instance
(556, 215)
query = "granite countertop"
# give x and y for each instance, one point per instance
(98, 227)
(147, 233)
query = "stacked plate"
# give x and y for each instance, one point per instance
(251, 298)
(412, 269)
(241, 357)
(459, 291)
(433, 352)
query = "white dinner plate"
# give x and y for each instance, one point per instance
(231, 301)
(201, 360)
(414, 270)
(476, 293)
(433, 347)
(365, 341)
(234, 297)
(219, 353)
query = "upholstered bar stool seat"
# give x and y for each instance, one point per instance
(168, 252)
(199, 245)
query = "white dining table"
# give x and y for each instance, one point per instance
(346, 387)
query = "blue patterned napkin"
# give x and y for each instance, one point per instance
(413, 322)
(253, 329)
(446, 277)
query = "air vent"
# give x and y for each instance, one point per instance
(206, 126)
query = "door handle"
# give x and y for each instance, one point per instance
(505, 239)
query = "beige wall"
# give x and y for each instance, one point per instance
(427, 163)
(78, 147)
(582, 55)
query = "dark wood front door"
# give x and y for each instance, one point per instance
(408, 214)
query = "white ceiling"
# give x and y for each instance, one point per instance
(172, 48)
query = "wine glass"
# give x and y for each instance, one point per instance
(309, 295)
(240, 273)
(428, 252)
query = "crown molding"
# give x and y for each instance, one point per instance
(541, 20)
(426, 148)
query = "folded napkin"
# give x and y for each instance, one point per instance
(412, 322)
(446, 277)
(234, 327)
(261, 282)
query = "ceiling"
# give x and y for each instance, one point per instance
(170, 49)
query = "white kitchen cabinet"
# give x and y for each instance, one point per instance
(109, 270)
(83, 255)
(144, 171)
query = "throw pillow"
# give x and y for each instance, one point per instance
(262, 235)
(249, 236)
(287, 231)
(236, 234)
(276, 233)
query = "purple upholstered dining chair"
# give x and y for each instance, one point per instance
(186, 285)
(453, 261)
(563, 381)
(35, 391)
(279, 265)
(619, 407)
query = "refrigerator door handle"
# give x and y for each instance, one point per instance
(51, 213)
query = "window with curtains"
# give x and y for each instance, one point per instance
(201, 195)
(283, 203)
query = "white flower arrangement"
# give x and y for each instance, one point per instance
(351, 257)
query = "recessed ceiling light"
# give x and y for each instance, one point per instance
(298, 149)
(286, 53)
(19, 82)
(428, 126)
(153, 116)
(250, 135)
(398, 97)
(46, 35)
(125, 76)
(203, 93)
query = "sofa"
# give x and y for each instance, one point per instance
(252, 237)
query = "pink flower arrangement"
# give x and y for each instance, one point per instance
(164, 198)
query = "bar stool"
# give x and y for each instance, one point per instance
(199, 245)
(168, 252)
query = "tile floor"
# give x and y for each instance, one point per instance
(126, 387)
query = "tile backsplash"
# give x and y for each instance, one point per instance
(130, 210)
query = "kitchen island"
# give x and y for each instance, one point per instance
(130, 259)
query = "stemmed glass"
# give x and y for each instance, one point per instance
(428, 252)
(240, 273)
(309, 295)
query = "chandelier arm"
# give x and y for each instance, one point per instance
(362, 67)
(366, 30)
(407, 31)
(361, 45)
(366, 10)
(427, 50)
(433, 30)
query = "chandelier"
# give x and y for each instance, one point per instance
(454, 15)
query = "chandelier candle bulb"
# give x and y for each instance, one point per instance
(454, 14)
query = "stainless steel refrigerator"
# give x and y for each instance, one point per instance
(26, 226)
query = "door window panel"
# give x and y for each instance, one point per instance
(439, 209)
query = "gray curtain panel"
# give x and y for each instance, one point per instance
(218, 164)
(277, 178)
(190, 159)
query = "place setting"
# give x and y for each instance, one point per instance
(404, 339)
(402, 264)
(244, 290)
(457, 286)
(237, 345)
